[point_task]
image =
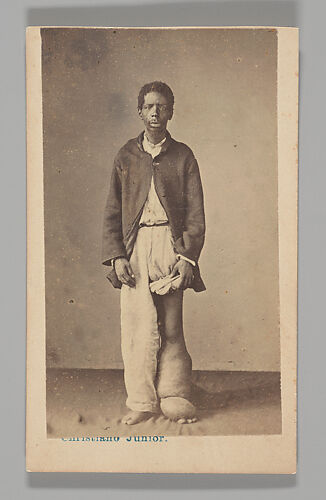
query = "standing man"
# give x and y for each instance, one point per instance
(154, 227)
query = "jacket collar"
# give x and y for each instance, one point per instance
(165, 144)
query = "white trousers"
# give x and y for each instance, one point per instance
(153, 258)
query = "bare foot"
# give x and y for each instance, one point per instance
(187, 420)
(178, 409)
(134, 417)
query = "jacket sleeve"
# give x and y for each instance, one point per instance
(112, 244)
(193, 236)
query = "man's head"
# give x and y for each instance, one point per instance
(155, 106)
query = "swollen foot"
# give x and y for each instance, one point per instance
(134, 417)
(178, 409)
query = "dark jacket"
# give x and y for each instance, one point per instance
(178, 186)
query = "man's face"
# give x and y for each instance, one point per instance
(155, 112)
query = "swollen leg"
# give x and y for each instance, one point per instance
(174, 370)
(174, 364)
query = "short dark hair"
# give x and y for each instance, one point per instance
(160, 87)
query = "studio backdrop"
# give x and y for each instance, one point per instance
(224, 83)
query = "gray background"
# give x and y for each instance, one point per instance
(224, 83)
(309, 15)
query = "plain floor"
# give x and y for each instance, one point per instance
(91, 403)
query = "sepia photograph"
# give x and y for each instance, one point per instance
(160, 205)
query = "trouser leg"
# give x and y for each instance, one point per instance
(174, 361)
(140, 339)
(156, 361)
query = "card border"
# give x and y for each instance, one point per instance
(274, 454)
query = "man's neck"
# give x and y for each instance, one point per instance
(156, 137)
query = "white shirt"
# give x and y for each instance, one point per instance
(153, 212)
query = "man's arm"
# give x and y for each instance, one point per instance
(114, 252)
(189, 246)
(112, 245)
(192, 240)
(192, 262)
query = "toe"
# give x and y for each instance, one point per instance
(181, 421)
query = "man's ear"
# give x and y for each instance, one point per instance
(171, 114)
(140, 113)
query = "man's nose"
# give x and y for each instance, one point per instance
(155, 109)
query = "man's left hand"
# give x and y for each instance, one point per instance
(183, 268)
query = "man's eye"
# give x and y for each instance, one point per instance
(161, 107)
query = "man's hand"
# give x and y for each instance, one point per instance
(183, 268)
(124, 272)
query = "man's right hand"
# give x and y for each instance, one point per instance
(124, 272)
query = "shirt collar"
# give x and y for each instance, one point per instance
(166, 142)
(150, 145)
